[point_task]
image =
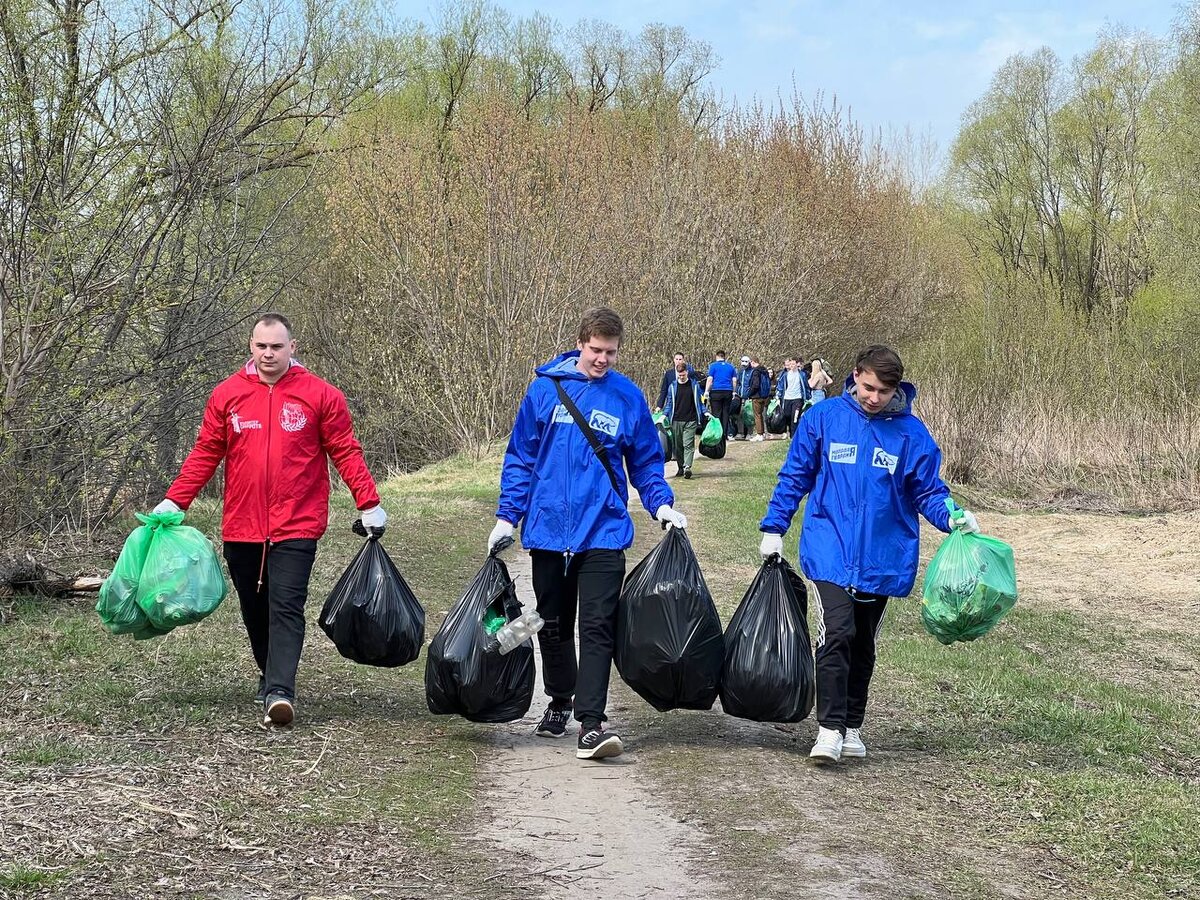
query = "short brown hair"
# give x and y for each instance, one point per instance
(600, 321)
(883, 361)
(272, 318)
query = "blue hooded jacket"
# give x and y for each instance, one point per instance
(553, 484)
(867, 477)
(669, 407)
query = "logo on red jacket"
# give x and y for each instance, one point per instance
(291, 417)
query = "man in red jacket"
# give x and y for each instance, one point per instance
(274, 423)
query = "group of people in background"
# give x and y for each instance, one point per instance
(687, 399)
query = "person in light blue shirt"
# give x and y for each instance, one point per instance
(719, 388)
(869, 468)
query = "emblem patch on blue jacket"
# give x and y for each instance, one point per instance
(884, 460)
(843, 453)
(602, 421)
(562, 415)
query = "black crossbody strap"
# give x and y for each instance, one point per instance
(597, 447)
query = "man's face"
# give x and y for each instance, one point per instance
(596, 355)
(271, 349)
(873, 394)
(680, 363)
(790, 365)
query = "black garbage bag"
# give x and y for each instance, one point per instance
(714, 451)
(776, 421)
(461, 676)
(668, 445)
(669, 646)
(372, 615)
(768, 674)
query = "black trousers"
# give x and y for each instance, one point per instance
(591, 586)
(718, 406)
(846, 659)
(792, 409)
(273, 610)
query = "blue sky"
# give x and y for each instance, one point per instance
(895, 65)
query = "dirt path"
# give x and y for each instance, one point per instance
(584, 829)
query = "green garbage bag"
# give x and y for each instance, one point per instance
(712, 433)
(181, 581)
(117, 607)
(970, 585)
(659, 418)
(748, 414)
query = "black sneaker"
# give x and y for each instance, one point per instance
(278, 710)
(678, 472)
(687, 473)
(596, 743)
(554, 723)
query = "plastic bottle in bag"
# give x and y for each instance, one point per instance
(516, 632)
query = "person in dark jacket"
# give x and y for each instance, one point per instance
(574, 517)
(758, 392)
(741, 396)
(685, 411)
(869, 467)
(669, 377)
(275, 425)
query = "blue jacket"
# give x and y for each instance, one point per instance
(552, 483)
(867, 478)
(743, 377)
(667, 380)
(781, 384)
(697, 391)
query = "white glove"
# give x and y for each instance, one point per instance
(500, 532)
(166, 506)
(772, 545)
(670, 517)
(965, 522)
(374, 518)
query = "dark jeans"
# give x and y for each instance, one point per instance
(791, 409)
(273, 610)
(591, 585)
(846, 660)
(718, 406)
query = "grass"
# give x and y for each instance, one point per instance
(1047, 749)
(21, 879)
(1038, 729)
(87, 711)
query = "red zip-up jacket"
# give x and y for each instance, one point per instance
(274, 440)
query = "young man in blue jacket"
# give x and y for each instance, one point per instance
(869, 467)
(684, 409)
(574, 517)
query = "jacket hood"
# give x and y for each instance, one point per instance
(563, 366)
(250, 372)
(901, 402)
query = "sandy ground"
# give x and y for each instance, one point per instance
(585, 829)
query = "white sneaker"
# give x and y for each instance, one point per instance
(828, 747)
(852, 744)
(756, 439)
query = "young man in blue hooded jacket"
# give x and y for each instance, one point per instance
(869, 467)
(575, 519)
